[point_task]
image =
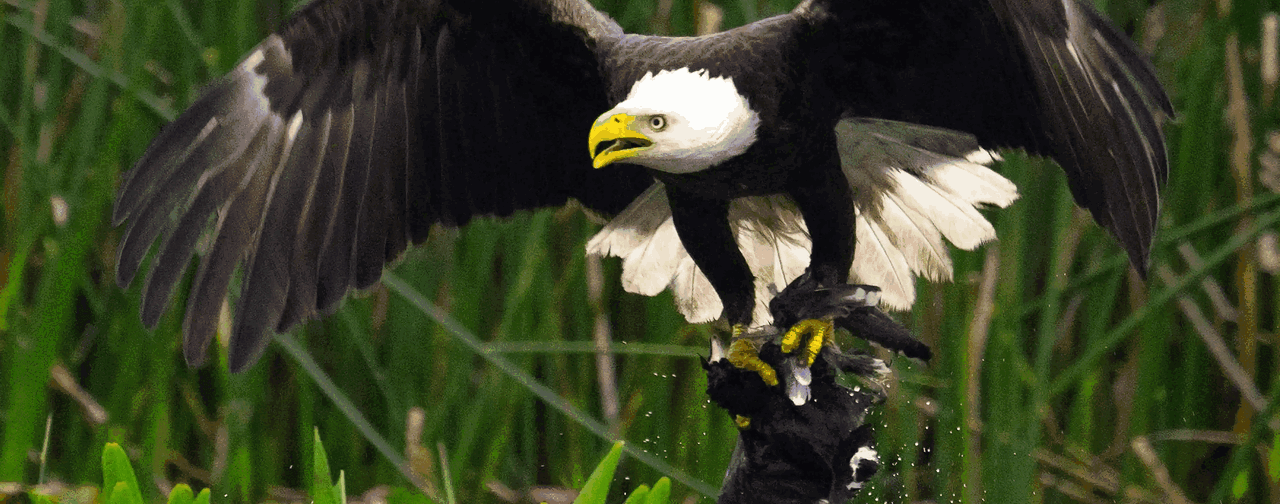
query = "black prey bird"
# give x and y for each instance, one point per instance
(842, 138)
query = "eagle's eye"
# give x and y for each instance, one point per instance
(658, 123)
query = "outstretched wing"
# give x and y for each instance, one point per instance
(343, 137)
(1052, 76)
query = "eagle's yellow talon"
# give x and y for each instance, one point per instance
(815, 343)
(741, 421)
(819, 331)
(743, 355)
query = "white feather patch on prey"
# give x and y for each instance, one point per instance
(910, 198)
(865, 456)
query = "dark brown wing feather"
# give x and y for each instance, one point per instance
(1051, 76)
(341, 139)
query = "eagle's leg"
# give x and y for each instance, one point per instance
(703, 227)
(825, 200)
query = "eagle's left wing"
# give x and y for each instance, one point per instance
(1051, 76)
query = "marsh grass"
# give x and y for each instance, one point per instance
(1060, 376)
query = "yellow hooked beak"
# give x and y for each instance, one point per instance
(613, 139)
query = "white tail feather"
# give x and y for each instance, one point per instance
(642, 236)
(956, 219)
(910, 198)
(972, 181)
(775, 243)
(880, 262)
(906, 223)
(695, 297)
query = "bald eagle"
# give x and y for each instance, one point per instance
(847, 138)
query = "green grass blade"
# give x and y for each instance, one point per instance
(597, 486)
(343, 403)
(1122, 330)
(182, 494)
(661, 492)
(87, 65)
(638, 496)
(524, 379)
(321, 484)
(118, 481)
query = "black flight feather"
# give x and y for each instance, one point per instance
(411, 113)
(1051, 76)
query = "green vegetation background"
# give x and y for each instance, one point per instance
(1059, 375)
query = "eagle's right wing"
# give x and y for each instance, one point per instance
(340, 139)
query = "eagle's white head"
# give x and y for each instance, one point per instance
(677, 121)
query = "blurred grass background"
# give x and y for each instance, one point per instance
(1059, 376)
